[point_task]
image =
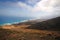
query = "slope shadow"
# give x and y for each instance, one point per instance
(52, 24)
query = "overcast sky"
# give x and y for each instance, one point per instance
(30, 8)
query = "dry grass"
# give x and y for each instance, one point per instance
(20, 33)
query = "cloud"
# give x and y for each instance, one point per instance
(24, 6)
(28, 4)
(32, 2)
(43, 5)
(51, 8)
(40, 8)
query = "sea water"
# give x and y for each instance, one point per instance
(10, 20)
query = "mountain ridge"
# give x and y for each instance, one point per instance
(48, 24)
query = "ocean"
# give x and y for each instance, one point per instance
(10, 20)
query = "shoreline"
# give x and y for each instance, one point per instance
(16, 22)
(13, 23)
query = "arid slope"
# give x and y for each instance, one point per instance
(31, 31)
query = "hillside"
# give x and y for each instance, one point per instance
(51, 24)
(32, 30)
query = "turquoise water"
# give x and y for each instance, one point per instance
(6, 19)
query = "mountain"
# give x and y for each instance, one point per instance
(51, 24)
(32, 30)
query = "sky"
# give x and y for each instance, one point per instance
(30, 8)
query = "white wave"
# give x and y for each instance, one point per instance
(7, 24)
(17, 22)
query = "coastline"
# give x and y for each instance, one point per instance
(16, 22)
(13, 23)
(19, 21)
